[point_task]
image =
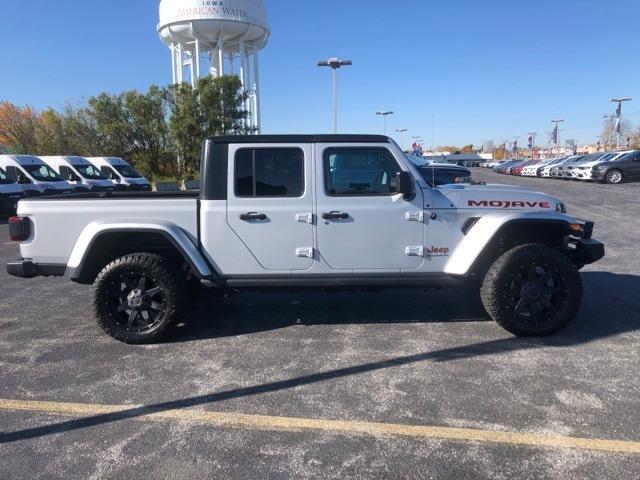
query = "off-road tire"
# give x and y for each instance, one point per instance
(614, 177)
(563, 291)
(170, 293)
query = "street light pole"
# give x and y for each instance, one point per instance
(611, 129)
(335, 64)
(619, 101)
(384, 116)
(402, 131)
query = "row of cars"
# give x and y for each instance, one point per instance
(604, 167)
(29, 176)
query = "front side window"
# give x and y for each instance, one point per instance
(359, 172)
(127, 171)
(269, 172)
(42, 173)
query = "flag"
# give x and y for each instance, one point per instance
(530, 143)
(619, 110)
(619, 125)
(554, 135)
(515, 146)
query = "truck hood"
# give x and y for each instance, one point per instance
(498, 197)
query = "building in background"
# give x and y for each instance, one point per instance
(217, 37)
(488, 146)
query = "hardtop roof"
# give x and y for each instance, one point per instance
(300, 139)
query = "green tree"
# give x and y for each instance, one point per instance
(52, 139)
(186, 128)
(222, 105)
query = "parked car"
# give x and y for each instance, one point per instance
(123, 175)
(10, 194)
(438, 174)
(545, 171)
(625, 168)
(583, 170)
(312, 212)
(81, 174)
(564, 172)
(34, 175)
(559, 169)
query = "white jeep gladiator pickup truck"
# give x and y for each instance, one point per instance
(321, 212)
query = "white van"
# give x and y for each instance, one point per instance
(34, 176)
(123, 175)
(83, 175)
(10, 193)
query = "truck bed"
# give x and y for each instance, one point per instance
(58, 222)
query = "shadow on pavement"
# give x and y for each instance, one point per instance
(611, 308)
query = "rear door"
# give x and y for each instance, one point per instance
(633, 167)
(363, 225)
(270, 203)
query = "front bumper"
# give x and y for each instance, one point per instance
(586, 250)
(27, 269)
(589, 251)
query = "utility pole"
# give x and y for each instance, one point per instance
(384, 116)
(619, 101)
(402, 131)
(506, 142)
(557, 133)
(335, 64)
(516, 144)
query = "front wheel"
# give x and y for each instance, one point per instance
(137, 297)
(614, 177)
(532, 291)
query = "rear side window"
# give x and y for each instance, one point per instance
(359, 172)
(269, 172)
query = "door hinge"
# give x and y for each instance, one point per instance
(414, 216)
(414, 251)
(304, 218)
(306, 252)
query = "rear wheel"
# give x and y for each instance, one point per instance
(137, 297)
(532, 291)
(614, 177)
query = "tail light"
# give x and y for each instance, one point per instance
(19, 228)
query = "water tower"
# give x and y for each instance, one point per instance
(224, 36)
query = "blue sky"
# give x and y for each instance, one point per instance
(484, 70)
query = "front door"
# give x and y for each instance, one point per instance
(270, 204)
(362, 223)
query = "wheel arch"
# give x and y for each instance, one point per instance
(492, 236)
(100, 244)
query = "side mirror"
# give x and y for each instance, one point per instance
(403, 183)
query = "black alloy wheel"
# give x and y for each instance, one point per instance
(532, 290)
(137, 298)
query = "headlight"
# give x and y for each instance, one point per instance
(561, 208)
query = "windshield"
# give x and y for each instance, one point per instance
(3, 178)
(89, 172)
(42, 173)
(127, 171)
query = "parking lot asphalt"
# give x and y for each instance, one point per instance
(403, 384)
